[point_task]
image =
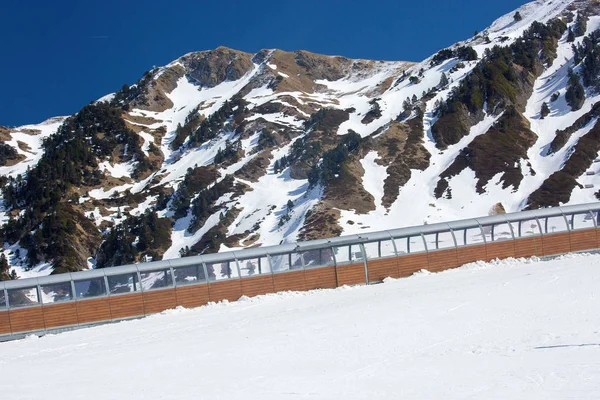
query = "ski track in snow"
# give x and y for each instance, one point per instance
(522, 329)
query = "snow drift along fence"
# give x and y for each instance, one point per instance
(68, 301)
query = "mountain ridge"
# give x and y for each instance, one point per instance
(222, 149)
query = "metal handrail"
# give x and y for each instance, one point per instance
(297, 247)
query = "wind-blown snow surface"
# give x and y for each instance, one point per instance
(514, 329)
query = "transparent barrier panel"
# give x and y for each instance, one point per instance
(189, 275)
(401, 245)
(125, 283)
(318, 258)
(342, 254)
(386, 248)
(356, 253)
(461, 237)
(56, 292)
(23, 297)
(431, 241)
(445, 240)
(529, 227)
(372, 249)
(2, 299)
(487, 232)
(474, 235)
(280, 262)
(296, 261)
(90, 288)
(502, 232)
(156, 279)
(555, 224)
(222, 270)
(582, 221)
(416, 244)
(254, 266)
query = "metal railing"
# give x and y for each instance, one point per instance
(260, 261)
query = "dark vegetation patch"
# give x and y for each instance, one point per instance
(373, 114)
(502, 79)
(136, 239)
(70, 161)
(558, 187)
(497, 151)
(465, 53)
(195, 180)
(9, 155)
(203, 206)
(562, 136)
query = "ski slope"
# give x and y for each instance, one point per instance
(523, 329)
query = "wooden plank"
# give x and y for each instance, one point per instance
(156, 301)
(126, 305)
(257, 285)
(528, 246)
(92, 310)
(351, 274)
(409, 264)
(294, 280)
(4, 323)
(230, 290)
(381, 268)
(440, 260)
(584, 240)
(26, 319)
(192, 296)
(557, 243)
(502, 249)
(472, 253)
(320, 278)
(60, 314)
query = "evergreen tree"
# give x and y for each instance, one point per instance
(575, 95)
(443, 81)
(518, 16)
(545, 110)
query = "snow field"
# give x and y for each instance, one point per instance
(505, 329)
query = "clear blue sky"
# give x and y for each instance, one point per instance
(59, 55)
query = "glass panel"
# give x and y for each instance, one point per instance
(460, 235)
(342, 254)
(529, 227)
(222, 270)
(318, 258)
(2, 299)
(156, 279)
(431, 241)
(251, 266)
(280, 262)
(125, 283)
(90, 288)
(416, 244)
(56, 292)
(372, 250)
(356, 253)
(555, 224)
(502, 232)
(487, 232)
(296, 261)
(474, 235)
(445, 240)
(401, 245)
(583, 221)
(190, 274)
(23, 297)
(386, 248)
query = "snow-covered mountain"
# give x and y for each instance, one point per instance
(223, 149)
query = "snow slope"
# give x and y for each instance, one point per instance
(513, 329)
